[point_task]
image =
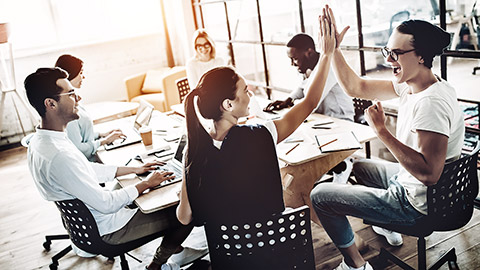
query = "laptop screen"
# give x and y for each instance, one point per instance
(181, 145)
(144, 114)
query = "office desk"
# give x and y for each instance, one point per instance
(153, 200)
(303, 166)
(299, 169)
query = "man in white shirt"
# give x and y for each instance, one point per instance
(334, 102)
(61, 172)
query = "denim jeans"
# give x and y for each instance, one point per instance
(378, 198)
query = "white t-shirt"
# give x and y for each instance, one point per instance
(196, 68)
(435, 109)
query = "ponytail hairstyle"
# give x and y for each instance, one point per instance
(214, 87)
(428, 40)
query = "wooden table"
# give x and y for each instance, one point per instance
(300, 169)
(153, 200)
(303, 166)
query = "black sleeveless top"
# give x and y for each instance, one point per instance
(239, 182)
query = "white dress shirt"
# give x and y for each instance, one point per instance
(62, 172)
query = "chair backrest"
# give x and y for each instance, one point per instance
(282, 241)
(183, 88)
(81, 226)
(359, 106)
(451, 200)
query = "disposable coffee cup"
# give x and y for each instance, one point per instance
(146, 134)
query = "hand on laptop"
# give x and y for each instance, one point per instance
(114, 135)
(105, 134)
(149, 166)
(157, 177)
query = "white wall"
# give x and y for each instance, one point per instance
(106, 65)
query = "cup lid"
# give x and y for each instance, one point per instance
(145, 129)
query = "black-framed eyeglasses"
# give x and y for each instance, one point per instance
(204, 46)
(72, 93)
(394, 53)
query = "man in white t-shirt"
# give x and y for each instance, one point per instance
(430, 132)
(61, 172)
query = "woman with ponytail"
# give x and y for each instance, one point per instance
(231, 170)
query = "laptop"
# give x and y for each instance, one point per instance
(144, 114)
(175, 164)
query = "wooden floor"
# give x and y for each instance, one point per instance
(25, 218)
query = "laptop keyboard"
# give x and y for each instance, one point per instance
(176, 171)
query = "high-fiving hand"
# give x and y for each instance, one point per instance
(326, 36)
(328, 14)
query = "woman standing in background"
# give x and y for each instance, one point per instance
(205, 57)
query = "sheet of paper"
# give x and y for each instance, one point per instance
(337, 142)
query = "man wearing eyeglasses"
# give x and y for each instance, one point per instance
(430, 132)
(61, 172)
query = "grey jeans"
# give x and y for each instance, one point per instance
(142, 225)
(379, 198)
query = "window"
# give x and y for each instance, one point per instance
(53, 23)
(255, 31)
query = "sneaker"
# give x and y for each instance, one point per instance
(344, 266)
(342, 177)
(170, 266)
(187, 255)
(393, 238)
(167, 266)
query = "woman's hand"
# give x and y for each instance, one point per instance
(105, 134)
(114, 135)
(375, 117)
(326, 36)
(328, 13)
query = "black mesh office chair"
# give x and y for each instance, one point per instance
(83, 232)
(359, 106)
(282, 241)
(183, 88)
(59, 255)
(450, 207)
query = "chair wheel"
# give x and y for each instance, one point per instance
(46, 245)
(452, 265)
(53, 266)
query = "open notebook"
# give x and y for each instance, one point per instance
(337, 142)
